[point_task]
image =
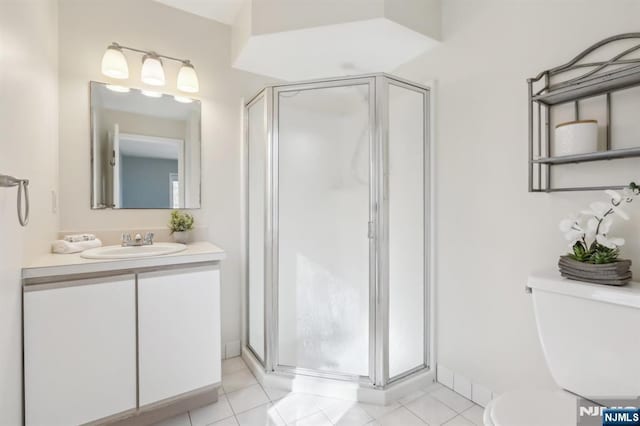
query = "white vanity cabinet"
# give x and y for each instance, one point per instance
(125, 342)
(79, 350)
(178, 332)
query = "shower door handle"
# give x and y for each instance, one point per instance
(371, 233)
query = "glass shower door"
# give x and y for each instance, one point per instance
(406, 159)
(323, 210)
(256, 134)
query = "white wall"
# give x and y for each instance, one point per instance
(28, 149)
(86, 28)
(491, 233)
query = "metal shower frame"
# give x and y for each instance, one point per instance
(378, 85)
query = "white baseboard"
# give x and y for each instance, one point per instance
(462, 385)
(231, 349)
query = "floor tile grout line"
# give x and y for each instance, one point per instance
(470, 421)
(421, 419)
(474, 405)
(410, 412)
(235, 415)
(271, 402)
(424, 394)
(252, 408)
(450, 407)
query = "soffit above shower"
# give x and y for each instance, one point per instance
(224, 11)
(306, 39)
(296, 40)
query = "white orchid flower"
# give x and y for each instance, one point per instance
(567, 224)
(615, 195)
(603, 239)
(601, 209)
(616, 200)
(598, 209)
(617, 210)
(573, 236)
(592, 228)
(605, 226)
(610, 242)
(629, 193)
(573, 231)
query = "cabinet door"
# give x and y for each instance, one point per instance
(178, 332)
(79, 350)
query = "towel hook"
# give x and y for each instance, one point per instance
(23, 191)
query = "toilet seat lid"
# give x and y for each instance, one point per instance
(534, 408)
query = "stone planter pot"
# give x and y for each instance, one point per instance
(182, 237)
(616, 273)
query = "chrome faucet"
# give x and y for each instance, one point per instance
(137, 240)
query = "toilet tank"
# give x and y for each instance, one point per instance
(590, 335)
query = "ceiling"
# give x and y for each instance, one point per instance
(149, 147)
(224, 11)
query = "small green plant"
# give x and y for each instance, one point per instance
(597, 253)
(580, 253)
(604, 254)
(180, 221)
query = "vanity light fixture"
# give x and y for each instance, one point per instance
(114, 65)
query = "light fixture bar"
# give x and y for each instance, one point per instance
(150, 52)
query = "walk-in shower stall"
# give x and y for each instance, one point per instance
(338, 234)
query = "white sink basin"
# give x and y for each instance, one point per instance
(119, 252)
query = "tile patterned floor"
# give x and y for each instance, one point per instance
(244, 402)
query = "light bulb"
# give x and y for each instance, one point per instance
(187, 78)
(183, 99)
(152, 72)
(114, 64)
(116, 88)
(151, 93)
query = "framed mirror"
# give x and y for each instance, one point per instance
(145, 149)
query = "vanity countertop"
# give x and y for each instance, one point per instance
(52, 265)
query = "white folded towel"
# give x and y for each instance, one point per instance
(79, 237)
(65, 247)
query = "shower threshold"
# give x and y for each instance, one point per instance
(341, 389)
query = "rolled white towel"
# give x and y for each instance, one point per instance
(74, 238)
(65, 247)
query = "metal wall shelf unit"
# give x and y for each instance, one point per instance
(592, 156)
(569, 84)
